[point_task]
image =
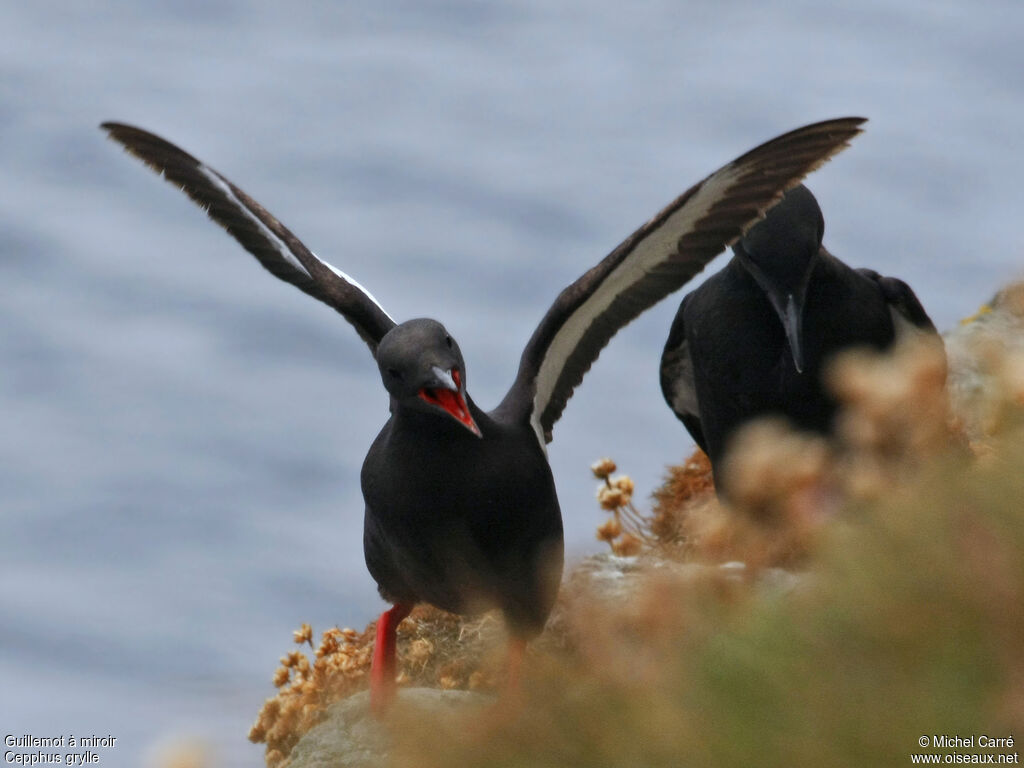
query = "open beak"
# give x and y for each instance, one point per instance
(447, 395)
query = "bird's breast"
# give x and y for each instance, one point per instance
(413, 477)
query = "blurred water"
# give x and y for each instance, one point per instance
(181, 433)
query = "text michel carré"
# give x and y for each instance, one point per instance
(983, 741)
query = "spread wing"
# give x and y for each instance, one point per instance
(272, 243)
(656, 260)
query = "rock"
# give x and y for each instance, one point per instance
(982, 352)
(619, 578)
(351, 738)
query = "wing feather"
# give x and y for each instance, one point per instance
(907, 312)
(256, 230)
(656, 260)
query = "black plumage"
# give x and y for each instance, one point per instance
(756, 337)
(461, 509)
(460, 513)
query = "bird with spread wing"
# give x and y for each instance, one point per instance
(460, 504)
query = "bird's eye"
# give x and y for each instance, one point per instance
(394, 373)
(448, 341)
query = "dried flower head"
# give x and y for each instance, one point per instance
(602, 468)
(448, 682)
(281, 676)
(772, 471)
(610, 530)
(627, 546)
(420, 651)
(615, 495)
(303, 634)
(610, 498)
(330, 643)
(896, 410)
(624, 483)
(686, 487)
(436, 649)
(291, 659)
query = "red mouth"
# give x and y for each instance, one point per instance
(452, 403)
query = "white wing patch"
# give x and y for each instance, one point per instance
(653, 250)
(354, 282)
(279, 245)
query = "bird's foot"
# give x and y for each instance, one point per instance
(382, 670)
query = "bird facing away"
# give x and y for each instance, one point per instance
(755, 338)
(461, 510)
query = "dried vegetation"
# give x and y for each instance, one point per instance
(906, 535)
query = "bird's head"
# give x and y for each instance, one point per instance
(422, 369)
(780, 252)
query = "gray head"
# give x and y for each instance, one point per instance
(422, 369)
(780, 252)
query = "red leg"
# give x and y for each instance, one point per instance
(382, 670)
(509, 704)
(517, 649)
